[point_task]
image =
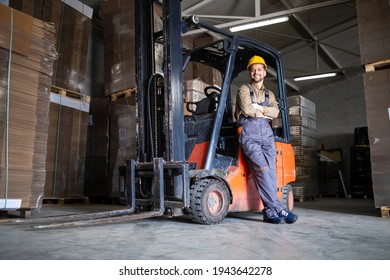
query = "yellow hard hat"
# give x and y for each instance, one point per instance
(256, 59)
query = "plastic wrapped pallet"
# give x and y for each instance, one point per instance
(26, 68)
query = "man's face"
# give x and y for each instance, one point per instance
(257, 72)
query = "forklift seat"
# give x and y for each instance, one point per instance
(204, 106)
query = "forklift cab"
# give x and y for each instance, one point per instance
(228, 160)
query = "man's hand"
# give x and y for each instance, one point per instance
(261, 109)
(258, 107)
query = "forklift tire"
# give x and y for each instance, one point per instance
(209, 201)
(288, 197)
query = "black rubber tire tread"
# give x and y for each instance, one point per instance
(199, 192)
(287, 191)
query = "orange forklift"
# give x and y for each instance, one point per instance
(192, 164)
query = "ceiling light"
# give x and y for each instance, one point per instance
(258, 24)
(311, 77)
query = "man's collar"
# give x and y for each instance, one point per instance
(254, 85)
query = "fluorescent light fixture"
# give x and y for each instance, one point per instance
(258, 24)
(319, 76)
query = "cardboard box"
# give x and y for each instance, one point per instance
(331, 156)
(377, 96)
(119, 50)
(24, 107)
(65, 160)
(373, 24)
(72, 21)
(123, 142)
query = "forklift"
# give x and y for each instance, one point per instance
(192, 164)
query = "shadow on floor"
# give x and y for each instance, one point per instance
(357, 206)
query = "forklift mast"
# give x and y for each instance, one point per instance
(170, 84)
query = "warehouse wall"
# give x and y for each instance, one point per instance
(340, 108)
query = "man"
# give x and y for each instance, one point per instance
(255, 107)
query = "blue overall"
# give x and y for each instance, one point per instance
(258, 144)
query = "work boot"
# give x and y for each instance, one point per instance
(275, 219)
(288, 216)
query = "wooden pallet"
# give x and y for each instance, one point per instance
(385, 211)
(71, 94)
(383, 64)
(20, 213)
(65, 200)
(122, 94)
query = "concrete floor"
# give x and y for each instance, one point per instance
(327, 229)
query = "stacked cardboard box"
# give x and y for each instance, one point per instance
(67, 136)
(97, 154)
(207, 74)
(72, 21)
(377, 93)
(374, 37)
(119, 49)
(373, 24)
(26, 68)
(302, 117)
(123, 145)
(193, 92)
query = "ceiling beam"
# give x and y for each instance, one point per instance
(263, 17)
(196, 6)
(315, 38)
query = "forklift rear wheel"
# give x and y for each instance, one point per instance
(288, 197)
(209, 201)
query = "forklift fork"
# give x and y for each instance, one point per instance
(115, 216)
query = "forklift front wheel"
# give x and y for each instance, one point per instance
(209, 201)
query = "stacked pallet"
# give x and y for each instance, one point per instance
(373, 25)
(302, 117)
(26, 68)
